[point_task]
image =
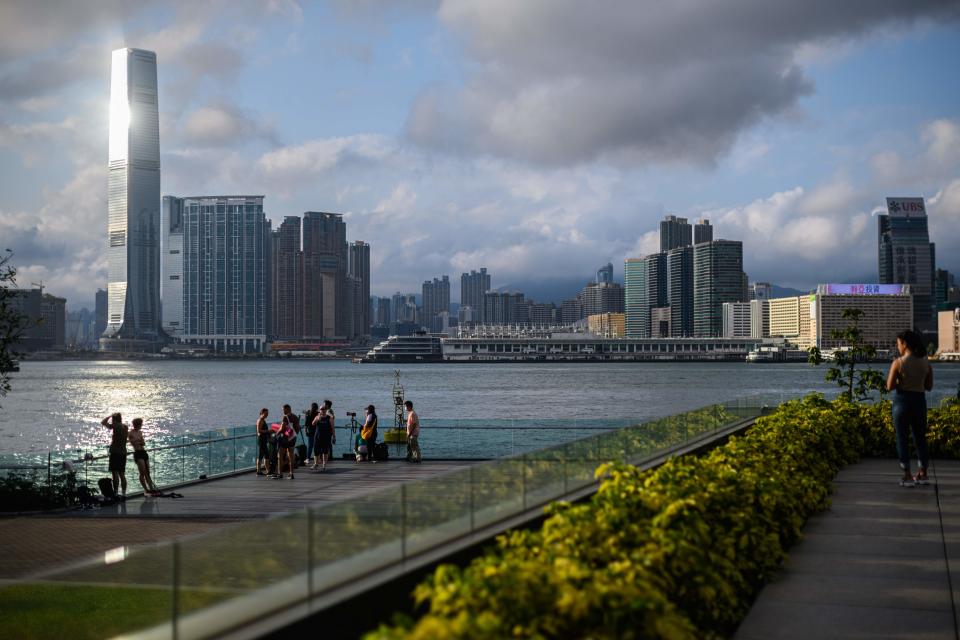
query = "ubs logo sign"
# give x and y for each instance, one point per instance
(901, 206)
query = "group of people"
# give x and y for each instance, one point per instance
(117, 463)
(276, 442)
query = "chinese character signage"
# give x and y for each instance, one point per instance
(865, 289)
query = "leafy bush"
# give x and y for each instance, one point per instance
(679, 551)
(24, 492)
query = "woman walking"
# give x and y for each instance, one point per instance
(911, 377)
(311, 420)
(140, 457)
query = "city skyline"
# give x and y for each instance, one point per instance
(856, 111)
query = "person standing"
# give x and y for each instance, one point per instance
(413, 434)
(325, 438)
(369, 432)
(263, 443)
(287, 440)
(118, 453)
(333, 425)
(311, 428)
(140, 457)
(911, 377)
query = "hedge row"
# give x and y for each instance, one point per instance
(676, 552)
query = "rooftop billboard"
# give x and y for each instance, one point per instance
(864, 289)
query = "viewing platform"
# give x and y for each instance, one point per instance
(882, 562)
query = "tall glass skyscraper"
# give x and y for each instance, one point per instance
(907, 256)
(646, 290)
(717, 278)
(359, 268)
(133, 205)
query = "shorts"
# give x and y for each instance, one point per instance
(324, 446)
(140, 455)
(118, 462)
(263, 446)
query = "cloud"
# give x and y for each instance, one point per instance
(559, 82)
(222, 125)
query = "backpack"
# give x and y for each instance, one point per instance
(106, 490)
(381, 452)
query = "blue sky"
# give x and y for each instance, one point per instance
(538, 139)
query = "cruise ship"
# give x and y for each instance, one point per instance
(420, 347)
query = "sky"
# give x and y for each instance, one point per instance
(540, 139)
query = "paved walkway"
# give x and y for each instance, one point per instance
(877, 564)
(34, 544)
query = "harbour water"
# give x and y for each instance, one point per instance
(58, 405)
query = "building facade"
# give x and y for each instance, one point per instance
(948, 332)
(906, 255)
(473, 286)
(606, 325)
(789, 318)
(679, 284)
(717, 278)
(359, 268)
(605, 274)
(887, 310)
(133, 205)
(702, 231)
(675, 232)
(436, 299)
(326, 314)
(286, 280)
(225, 273)
(759, 319)
(645, 280)
(171, 266)
(604, 297)
(736, 320)
(100, 312)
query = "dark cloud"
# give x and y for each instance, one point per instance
(562, 82)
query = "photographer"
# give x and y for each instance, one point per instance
(118, 453)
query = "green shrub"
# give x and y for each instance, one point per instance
(675, 552)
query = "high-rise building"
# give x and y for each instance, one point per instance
(543, 313)
(790, 318)
(383, 312)
(759, 319)
(760, 291)
(171, 266)
(436, 299)
(100, 311)
(286, 280)
(717, 278)
(473, 286)
(606, 325)
(325, 312)
(736, 320)
(887, 310)
(46, 319)
(906, 255)
(133, 205)
(605, 274)
(680, 291)
(702, 231)
(948, 332)
(404, 308)
(675, 232)
(359, 268)
(605, 297)
(571, 311)
(504, 308)
(646, 289)
(224, 269)
(943, 282)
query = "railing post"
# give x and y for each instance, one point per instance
(175, 589)
(523, 479)
(403, 521)
(234, 451)
(49, 488)
(210, 459)
(183, 453)
(472, 519)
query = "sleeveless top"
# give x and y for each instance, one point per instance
(913, 372)
(323, 427)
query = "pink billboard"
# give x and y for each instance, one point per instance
(865, 289)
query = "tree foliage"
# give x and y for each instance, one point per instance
(12, 321)
(857, 383)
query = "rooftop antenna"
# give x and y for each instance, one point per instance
(39, 285)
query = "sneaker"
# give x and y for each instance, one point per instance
(290, 477)
(921, 478)
(907, 481)
(315, 465)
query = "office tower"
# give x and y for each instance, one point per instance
(359, 267)
(171, 266)
(224, 271)
(736, 320)
(404, 308)
(325, 312)
(286, 280)
(571, 311)
(505, 308)
(760, 291)
(906, 255)
(675, 232)
(605, 297)
(384, 316)
(790, 318)
(717, 278)
(680, 291)
(472, 287)
(605, 274)
(101, 314)
(436, 299)
(702, 231)
(646, 289)
(759, 319)
(467, 316)
(943, 282)
(133, 205)
(543, 313)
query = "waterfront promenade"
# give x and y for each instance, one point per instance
(877, 564)
(39, 543)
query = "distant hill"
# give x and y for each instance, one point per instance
(554, 290)
(786, 292)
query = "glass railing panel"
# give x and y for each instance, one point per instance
(435, 510)
(497, 490)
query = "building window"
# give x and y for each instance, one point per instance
(174, 251)
(174, 277)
